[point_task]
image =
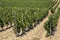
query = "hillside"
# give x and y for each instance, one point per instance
(29, 20)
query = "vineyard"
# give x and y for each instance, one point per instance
(24, 15)
(51, 24)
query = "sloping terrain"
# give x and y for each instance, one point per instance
(57, 32)
(37, 32)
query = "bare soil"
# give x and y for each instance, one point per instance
(38, 33)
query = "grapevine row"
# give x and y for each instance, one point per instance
(24, 17)
(51, 24)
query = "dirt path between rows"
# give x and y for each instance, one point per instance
(57, 32)
(36, 33)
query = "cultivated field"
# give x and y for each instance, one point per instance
(29, 19)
